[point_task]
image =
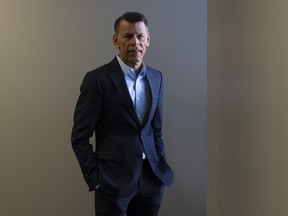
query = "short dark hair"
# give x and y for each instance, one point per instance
(131, 17)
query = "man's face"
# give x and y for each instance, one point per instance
(132, 40)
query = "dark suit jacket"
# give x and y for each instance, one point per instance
(105, 106)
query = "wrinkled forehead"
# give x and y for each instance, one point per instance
(135, 28)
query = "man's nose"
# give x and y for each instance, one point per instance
(135, 40)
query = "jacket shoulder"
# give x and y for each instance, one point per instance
(153, 73)
(104, 69)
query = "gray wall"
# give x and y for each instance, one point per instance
(247, 108)
(46, 47)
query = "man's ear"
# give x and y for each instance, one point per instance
(115, 41)
(148, 40)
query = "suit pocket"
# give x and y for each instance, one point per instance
(105, 155)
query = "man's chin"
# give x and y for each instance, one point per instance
(135, 61)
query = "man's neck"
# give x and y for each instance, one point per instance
(137, 67)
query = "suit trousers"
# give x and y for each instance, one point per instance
(146, 202)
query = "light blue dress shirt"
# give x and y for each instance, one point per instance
(138, 88)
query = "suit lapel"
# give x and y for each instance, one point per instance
(153, 85)
(120, 84)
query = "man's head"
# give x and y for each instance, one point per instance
(132, 38)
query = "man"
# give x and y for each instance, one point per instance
(122, 103)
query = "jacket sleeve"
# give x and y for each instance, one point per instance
(86, 115)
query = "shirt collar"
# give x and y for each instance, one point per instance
(126, 69)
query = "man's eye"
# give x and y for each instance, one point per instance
(141, 37)
(127, 37)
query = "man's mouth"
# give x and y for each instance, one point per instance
(134, 51)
